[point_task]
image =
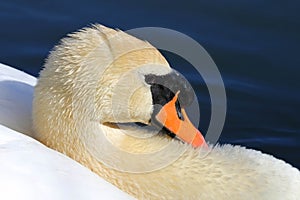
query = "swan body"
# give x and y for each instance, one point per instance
(95, 79)
(30, 170)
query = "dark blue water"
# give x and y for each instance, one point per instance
(255, 44)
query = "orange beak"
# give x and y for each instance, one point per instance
(183, 129)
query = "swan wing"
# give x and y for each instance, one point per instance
(30, 170)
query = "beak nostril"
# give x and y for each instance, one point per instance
(178, 110)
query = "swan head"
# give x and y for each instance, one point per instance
(104, 80)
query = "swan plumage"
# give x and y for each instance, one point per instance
(72, 111)
(30, 170)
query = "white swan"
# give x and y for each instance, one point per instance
(98, 82)
(29, 170)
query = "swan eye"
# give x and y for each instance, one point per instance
(163, 88)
